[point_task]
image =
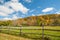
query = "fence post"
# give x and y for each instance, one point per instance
(0, 28)
(20, 30)
(42, 31)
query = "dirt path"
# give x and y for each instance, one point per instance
(10, 37)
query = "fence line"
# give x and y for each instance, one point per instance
(28, 28)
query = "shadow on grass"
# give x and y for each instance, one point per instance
(34, 38)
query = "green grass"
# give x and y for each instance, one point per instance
(53, 35)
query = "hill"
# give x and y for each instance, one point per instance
(48, 20)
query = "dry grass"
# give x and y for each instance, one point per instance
(10, 37)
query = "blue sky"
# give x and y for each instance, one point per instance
(14, 9)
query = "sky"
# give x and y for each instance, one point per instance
(14, 9)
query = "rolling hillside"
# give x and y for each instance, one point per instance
(48, 20)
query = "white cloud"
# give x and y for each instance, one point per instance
(6, 19)
(16, 6)
(12, 6)
(6, 10)
(2, 14)
(40, 14)
(33, 15)
(20, 17)
(14, 0)
(58, 12)
(47, 9)
(14, 17)
(29, 1)
(32, 10)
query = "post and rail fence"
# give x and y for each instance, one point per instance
(26, 30)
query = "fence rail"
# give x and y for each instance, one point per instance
(27, 31)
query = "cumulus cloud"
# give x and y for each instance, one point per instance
(15, 0)
(33, 14)
(16, 6)
(6, 10)
(2, 14)
(12, 6)
(47, 9)
(13, 18)
(58, 12)
(6, 18)
(29, 1)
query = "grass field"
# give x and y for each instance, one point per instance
(11, 37)
(34, 32)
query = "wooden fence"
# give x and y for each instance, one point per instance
(23, 31)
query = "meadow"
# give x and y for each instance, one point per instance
(33, 32)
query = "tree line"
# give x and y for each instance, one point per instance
(48, 20)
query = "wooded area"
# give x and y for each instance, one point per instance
(48, 20)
